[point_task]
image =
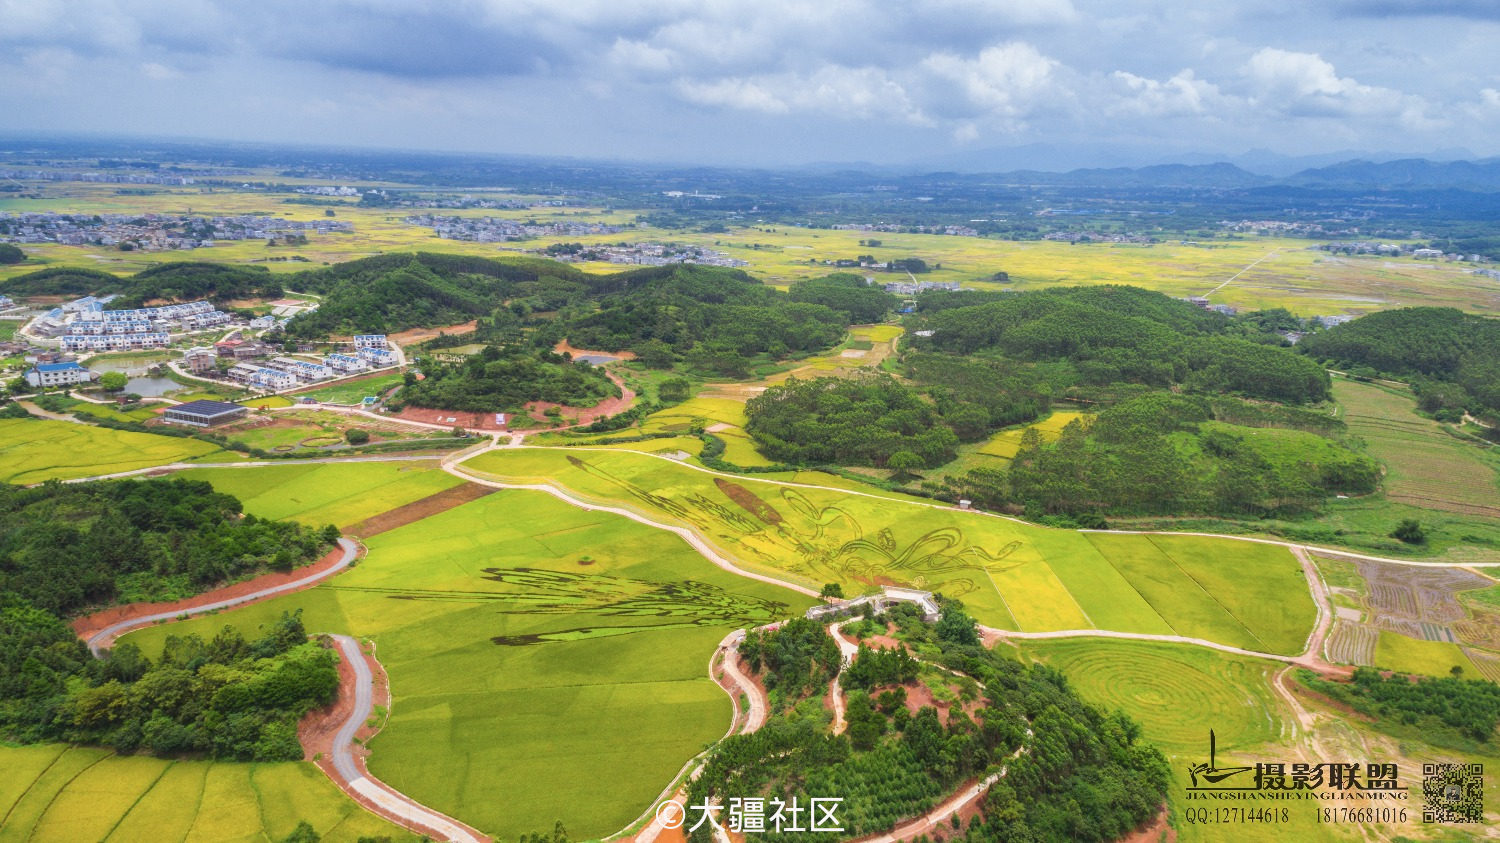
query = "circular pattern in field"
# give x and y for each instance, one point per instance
(1176, 693)
(320, 441)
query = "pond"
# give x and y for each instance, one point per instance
(142, 382)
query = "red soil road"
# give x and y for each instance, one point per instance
(416, 335)
(587, 415)
(309, 575)
(563, 347)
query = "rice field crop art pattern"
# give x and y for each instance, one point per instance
(1010, 575)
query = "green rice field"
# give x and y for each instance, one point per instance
(327, 493)
(547, 663)
(34, 450)
(352, 392)
(53, 793)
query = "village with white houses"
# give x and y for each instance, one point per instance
(199, 342)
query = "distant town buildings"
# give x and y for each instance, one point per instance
(499, 230)
(154, 232)
(643, 254)
(907, 288)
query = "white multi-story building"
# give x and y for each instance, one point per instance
(369, 341)
(260, 376)
(345, 363)
(115, 342)
(209, 319)
(58, 374)
(303, 369)
(378, 356)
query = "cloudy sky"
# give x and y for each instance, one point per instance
(767, 81)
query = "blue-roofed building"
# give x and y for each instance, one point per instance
(58, 374)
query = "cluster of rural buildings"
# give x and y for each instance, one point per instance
(154, 232)
(1370, 247)
(952, 230)
(908, 288)
(371, 351)
(84, 325)
(494, 230)
(648, 254)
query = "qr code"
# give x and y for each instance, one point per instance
(1452, 793)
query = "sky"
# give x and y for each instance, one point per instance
(767, 82)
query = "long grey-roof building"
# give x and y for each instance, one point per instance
(204, 413)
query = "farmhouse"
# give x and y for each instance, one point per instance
(880, 601)
(204, 413)
(58, 374)
(200, 359)
(115, 342)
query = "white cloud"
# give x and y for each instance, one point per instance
(1182, 95)
(1002, 82)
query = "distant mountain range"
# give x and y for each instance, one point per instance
(1403, 174)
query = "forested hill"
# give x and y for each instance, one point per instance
(66, 547)
(1112, 334)
(1431, 345)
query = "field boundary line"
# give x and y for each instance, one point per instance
(46, 809)
(38, 777)
(1209, 594)
(142, 795)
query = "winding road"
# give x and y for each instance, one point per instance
(373, 793)
(101, 640)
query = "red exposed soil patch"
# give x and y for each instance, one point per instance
(563, 346)
(1154, 832)
(417, 510)
(467, 421)
(87, 625)
(1309, 694)
(416, 335)
(586, 415)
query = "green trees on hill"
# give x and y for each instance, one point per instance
(177, 281)
(67, 546)
(1073, 772)
(1470, 707)
(846, 293)
(226, 698)
(1164, 454)
(712, 317)
(853, 421)
(1452, 357)
(1115, 334)
(11, 254)
(503, 380)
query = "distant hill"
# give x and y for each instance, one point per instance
(1406, 173)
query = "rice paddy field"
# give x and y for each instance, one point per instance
(1010, 575)
(546, 663)
(35, 450)
(1400, 653)
(53, 793)
(1006, 443)
(327, 493)
(1426, 467)
(353, 392)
